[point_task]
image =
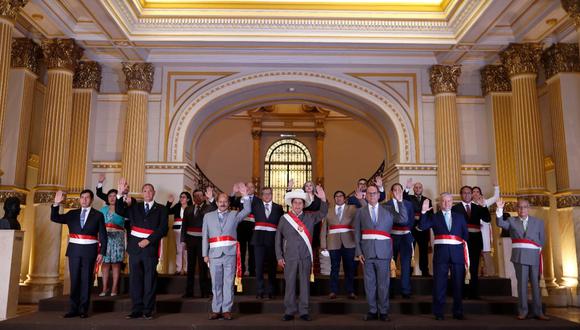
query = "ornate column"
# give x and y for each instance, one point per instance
(572, 7)
(61, 57)
(139, 79)
(562, 66)
(443, 80)
(8, 11)
(86, 84)
(496, 88)
(256, 143)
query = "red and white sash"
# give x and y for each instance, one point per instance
(400, 230)
(222, 241)
(524, 243)
(300, 227)
(250, 218)
(141, 232)
(177, 223)
(454, 240)
(193, 231)
(339, 229)
(265, 226)
(111, 227)
(82, 239)
(474, 228)
(375, 234)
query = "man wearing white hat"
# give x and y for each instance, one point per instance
(294, 249)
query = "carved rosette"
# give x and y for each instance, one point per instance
(572, 7)
(444, 78)
(26, 54)
(138, 76)
(522, 58)
(561, 57)
(10, 8)
(494, 78)
(568, 201)
(88, 75)
(61, 53)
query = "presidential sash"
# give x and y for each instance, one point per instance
(299, 226)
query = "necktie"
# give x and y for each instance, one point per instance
(468, 210)
(221, 218)
(396, 205)
(373, 215)
(267, 207)
(447, 220)
(525, 224)
(83, 217)
(339, 214)
(146, 208)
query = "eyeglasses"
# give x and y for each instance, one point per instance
(372, 193)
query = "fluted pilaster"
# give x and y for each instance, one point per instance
(443, 81)
(86, 84)
(256, 161)
(320, 135)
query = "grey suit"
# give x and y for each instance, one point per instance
(222, 260)
(291, 247)
(377, 253)
(526, 261)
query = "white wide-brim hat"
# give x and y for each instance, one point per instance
(297, 193)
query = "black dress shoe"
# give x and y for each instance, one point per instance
(83, 315)
(406, 296)
(187, 295)
(287, 317)
(260, 296)
(269, 297)
(459, 317)
(370, 317)
(439, 317)
(148, 316)
(71, 315)
(306, 317)
(134, 316)
(384, 317)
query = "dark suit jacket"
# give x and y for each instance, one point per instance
(417, 204)
(262, 237)
(9, 224)
(410, 213)
(94, 226)
(446, 253)
(477, 213)
(191, 218)
(155, 220)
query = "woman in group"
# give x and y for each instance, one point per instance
(178, 211)
(115, 225)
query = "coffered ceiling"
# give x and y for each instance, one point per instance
(468, 32)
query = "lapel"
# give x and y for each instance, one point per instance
(442, 220)
(520, 226)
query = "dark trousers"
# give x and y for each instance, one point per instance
(194, 258)
(265, 256)
(348, 263)
(142, 282)
(440, 271)
(245, 231)
(475, 245)
(403, 244)
(422, 240)
(81, 278)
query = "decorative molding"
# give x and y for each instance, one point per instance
(522, 58)
(572, 7)
(26, 54)
(561, 57)
(88, 75)
(10, 8)
(5, 194)
(138, 76)
(61, 53)
(537, 200)
(443, 78)
(566, 201)
(44, 197)
(494, 79)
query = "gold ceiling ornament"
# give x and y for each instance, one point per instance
(444, 78)
(10, 8)
(572, 7)
(61, 53)
(26, 54)
(138, 76)
(561, 57)
(522, 58)
(88, 75)
(494, 78)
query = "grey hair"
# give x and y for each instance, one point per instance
(445, 194)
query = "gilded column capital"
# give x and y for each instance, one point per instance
(444, 78)
(26, 54)
(572, 7)
(256, 133)
(10, 8)
(138, 76)
(61, 53)
(561, 57)
(522, 58)
(88, 74)
(494, 78)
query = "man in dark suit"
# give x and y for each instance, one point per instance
(361, 187)
(246, 228)
(473, 213)
(191, 235)
(450, 253)
(87, 230)
(146, 225)
(267, 215)
(422, 237)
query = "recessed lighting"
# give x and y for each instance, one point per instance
(291, 89)
(37, 17)
(551, 21)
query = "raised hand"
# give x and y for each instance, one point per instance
(425, 207)
(209, 193)
(500, 203)
(59, 197)
(358, 194)
(171, 198)
(290, 184)
(409, 183)
(242, 189)
(236, 188)
(378, 181)
(122, 186)
(320, 193)
(101, 178)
